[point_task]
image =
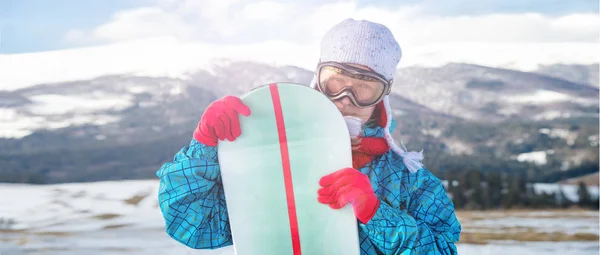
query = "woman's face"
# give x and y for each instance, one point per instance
(348, 109)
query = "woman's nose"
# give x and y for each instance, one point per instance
(345, 101)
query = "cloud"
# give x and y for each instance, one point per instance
(479, 7)
(269, 11)
(240, 21)
(158, 57)
(147, 22)
(171, 37)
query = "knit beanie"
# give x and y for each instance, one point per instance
(364, 43)
(373, 45)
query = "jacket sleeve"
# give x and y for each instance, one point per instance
(191, 198)
(428, 225)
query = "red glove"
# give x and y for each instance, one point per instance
(349, 186)
(220, 121)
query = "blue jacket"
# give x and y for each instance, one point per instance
(415, 216)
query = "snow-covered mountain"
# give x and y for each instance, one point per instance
(120, 102)
(484, 93)
(174, 58)
(584, 74)
(464, 91)
(112, 124)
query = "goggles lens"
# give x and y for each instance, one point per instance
(365, 88)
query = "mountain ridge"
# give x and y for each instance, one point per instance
(462, 115)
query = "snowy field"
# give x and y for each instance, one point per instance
(124, 218)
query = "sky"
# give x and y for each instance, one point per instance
(40, 25)
(125, 35)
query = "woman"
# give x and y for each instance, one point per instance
(401, 207)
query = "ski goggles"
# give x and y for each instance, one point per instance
(364, 88)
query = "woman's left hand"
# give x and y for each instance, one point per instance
(349, 185)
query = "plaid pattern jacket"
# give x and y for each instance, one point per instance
(415, 216)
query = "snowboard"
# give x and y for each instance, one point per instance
(270, 174)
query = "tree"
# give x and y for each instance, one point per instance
(515, 193)
(457, 191)
(484, 195)
(596, 203)
(550, 199)
(585, 199)
(494, 188)
(477, 193)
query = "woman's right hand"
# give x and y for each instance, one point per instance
(220, 121)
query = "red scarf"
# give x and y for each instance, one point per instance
(370, 147)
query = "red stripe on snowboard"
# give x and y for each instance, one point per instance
(287, 174)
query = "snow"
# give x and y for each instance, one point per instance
(146, 104)
(458, 147)
(64, 219)
(53, 104)
(134, 243)
(435, 132)
(530, 248)
(54, 111)
(565, 134)
(509, 110)
(69, 203)
(537, 157)
(136, 89)
(176, 90)
(499, 54)
(17, 124)
(566, 225)
(550, 115)
(170, 57)
(539, 97)
(593, 140)
(565, 165)
(574, 213)
(569, 190)
(155, 57)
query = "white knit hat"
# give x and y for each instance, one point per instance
(364, 43)
(373, 45)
